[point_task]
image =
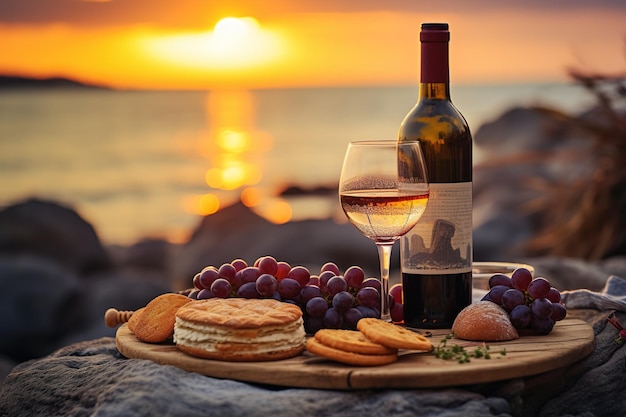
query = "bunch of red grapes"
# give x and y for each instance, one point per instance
(531, 303)
(330, 300)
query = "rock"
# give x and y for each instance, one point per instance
(40, 303)
(45, 306)
(522, 149)
(47, 229)
(91, 378)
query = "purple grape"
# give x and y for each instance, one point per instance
(323, 280)
(204, 294)
(314, 280)
(499, 279)
(558, 312)
(283, 270)
(520, 278)
(221, 288)
(248, 290)
(512, 298)
(351, 317)
(397, 312)
(495, 293)
(316, 307)
(367, 311)
(266, 285)
(372, 282)
(538, 288)
(541, 326)
(239, 264)
(368, 297)
(331, 267)
(249, 274)
(207, 276)
(313, 324)
(354, 276)
(342, 301)
(236, 281)
(521, 316)
(268, 265)
(300, 274)
(333, 319)
(196, 281)
(289, 288)
(554, 295)
(309, 291)
(336, 285)
(541, 308)
(227, 271)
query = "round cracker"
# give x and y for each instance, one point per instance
(350, 358)
(392, 335)
(352, 341)
(155, 324)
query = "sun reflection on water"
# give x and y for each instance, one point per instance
(235, 151)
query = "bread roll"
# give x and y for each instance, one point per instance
(484, 321)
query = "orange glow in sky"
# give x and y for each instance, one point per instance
(322, 48)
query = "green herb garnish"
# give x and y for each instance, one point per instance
(461, 354)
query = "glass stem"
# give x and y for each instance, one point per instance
(384, 256)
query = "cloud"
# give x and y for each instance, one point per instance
(190, 13)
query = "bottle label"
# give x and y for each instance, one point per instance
(441, 242)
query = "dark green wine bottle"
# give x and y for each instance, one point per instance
(436, 256)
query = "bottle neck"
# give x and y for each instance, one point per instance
(434, 65)
(439, 91)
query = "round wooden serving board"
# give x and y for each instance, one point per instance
(570, 341)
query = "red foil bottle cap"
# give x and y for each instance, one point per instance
(434, 38)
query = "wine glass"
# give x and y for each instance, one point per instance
(383, 190)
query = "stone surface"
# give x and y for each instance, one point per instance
(50, 230)
(91, 378)
(523, 149)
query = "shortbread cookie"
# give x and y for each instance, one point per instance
(239, 329)
(392, 335)
(155, 324)
(315, 346)
(352, 341)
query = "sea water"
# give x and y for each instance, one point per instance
(141, 164)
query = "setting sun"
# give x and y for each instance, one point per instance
(233, 44)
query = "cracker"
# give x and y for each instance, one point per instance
(352, 341)
(134, 318)
(155, 324)
(392, 335)
(314, 346)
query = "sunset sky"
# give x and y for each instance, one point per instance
(190, 44)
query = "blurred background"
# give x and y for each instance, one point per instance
(202, 104)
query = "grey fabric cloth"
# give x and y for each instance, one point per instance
(611, 297)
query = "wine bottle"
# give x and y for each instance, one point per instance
(436, 255)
